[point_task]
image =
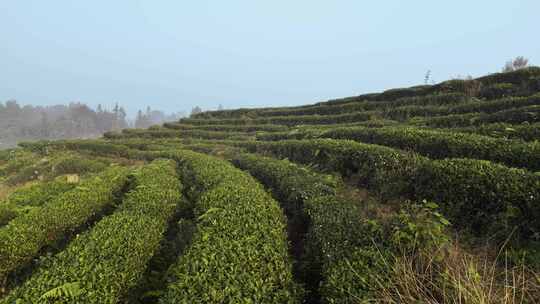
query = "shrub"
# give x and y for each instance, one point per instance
(499, 196)
(486, 197)
(525, 131)
(239, 252)
(498, 90)
(102, 264)
(436, 144)
(23, 237)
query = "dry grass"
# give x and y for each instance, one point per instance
(452, 275)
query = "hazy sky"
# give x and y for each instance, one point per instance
(173, 55)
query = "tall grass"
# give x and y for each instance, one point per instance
(451, 274)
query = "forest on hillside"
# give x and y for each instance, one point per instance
(75, 120)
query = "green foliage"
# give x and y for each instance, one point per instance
(498, 90)
(527, 114)
(486, 197)
(466, 189)
(289, 121)
(26, 198)
(366, 266)
(73, 164)
(239, 252)
(432, 143)
(38, 194)
(7, 213)
(387, 171)
(24, 236)
(525, 131)
(171, 133)
(101, 265)
(226, 128)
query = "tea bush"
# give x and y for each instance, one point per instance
(108, 260)
(24, 236)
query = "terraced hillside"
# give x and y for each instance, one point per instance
(429, 194)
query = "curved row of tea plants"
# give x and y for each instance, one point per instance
(226, 128)
(170, 133)
(102, 264)
(529, 114)
(335, 229)
(526, 131)
(486, 197)
(401, 109)
(288, 120)
(24, 199)
(24, 237)
(431, 143)
(238, 253)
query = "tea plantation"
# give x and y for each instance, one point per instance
(428, 194)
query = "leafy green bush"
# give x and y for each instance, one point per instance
(289, 120)
(239, 252)
(226, 128)
(108, 260)
(7, 213)
(24, 236)
(333, 224)
(434, 144)
(486, 197)
(525, 131)
(170, 133)
(26, 198)
(73, 164)
(37, 194)
(498, 90)
(515, 77)
(492, 190)
(385, 170)
(368, 267)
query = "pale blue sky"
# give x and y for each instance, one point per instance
(173, 55)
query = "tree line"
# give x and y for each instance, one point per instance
(75, 120)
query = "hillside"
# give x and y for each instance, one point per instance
(428, 194)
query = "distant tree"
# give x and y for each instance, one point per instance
(220, 107)
(122, 116)
(518, 63)
(196, 110)
(427, 77)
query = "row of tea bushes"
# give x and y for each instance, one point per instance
(23, 237)
(516, 83)
(104, 263)
(519, 83)
(47, 168)
(25, 198)
(238, 253)
(526, 131)
(485, 197)
(356, 112)
(403, 113)
(170, 133)
(16, 160)
(334, 109)
(226, 128)
(431, 143)
(91, 146)
(529, 114)
(288, 120)
(335, 232)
